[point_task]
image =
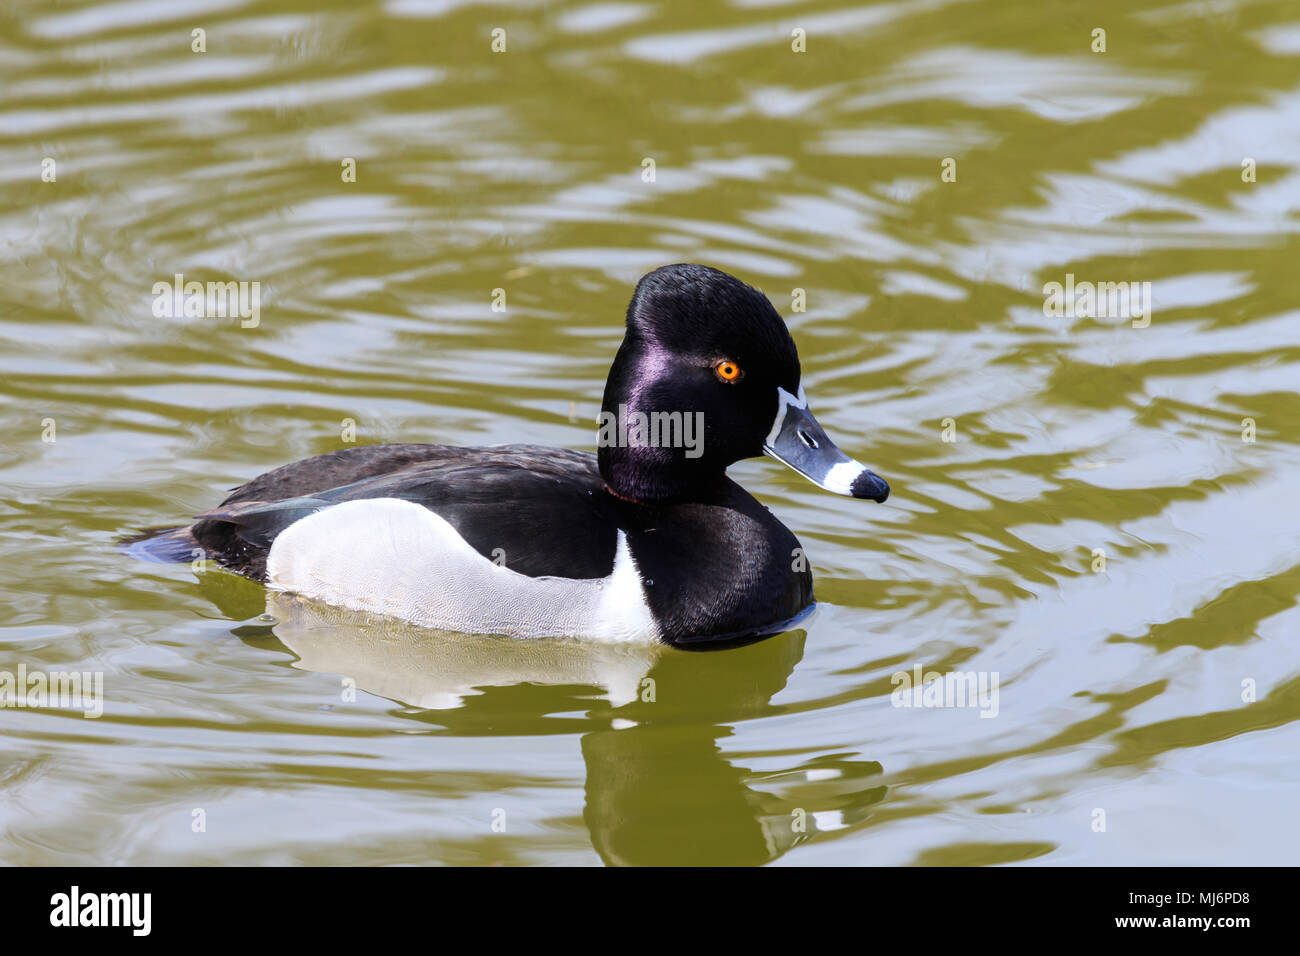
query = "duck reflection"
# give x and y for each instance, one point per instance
(438, 670)
(659, 789)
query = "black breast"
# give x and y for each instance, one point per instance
(720, 569)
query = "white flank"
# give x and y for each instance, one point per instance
(395, 557)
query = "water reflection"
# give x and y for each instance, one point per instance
(817, 171)
(660, 790)
(438, 670)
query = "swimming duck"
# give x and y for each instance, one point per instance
(646, 540)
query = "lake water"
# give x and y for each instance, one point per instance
(1098, 512)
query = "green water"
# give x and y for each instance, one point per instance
(329, 738)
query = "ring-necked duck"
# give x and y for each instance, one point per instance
(646, 540)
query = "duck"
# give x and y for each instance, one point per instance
(646, 541)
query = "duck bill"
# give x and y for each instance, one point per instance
(798, 441)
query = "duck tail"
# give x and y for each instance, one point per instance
(161, 545)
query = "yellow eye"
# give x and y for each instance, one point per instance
(728, 371)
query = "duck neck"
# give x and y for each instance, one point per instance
(636, 474)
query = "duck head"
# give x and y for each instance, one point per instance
(707, 375)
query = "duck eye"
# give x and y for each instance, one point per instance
(728, 371)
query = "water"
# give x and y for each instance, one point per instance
(1124, 693)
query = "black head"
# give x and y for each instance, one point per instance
(707, 375)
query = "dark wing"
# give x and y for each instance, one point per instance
(323, 472)
(538, 510)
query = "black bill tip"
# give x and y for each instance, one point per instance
(869, 485)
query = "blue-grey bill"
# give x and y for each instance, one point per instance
(799, 442)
